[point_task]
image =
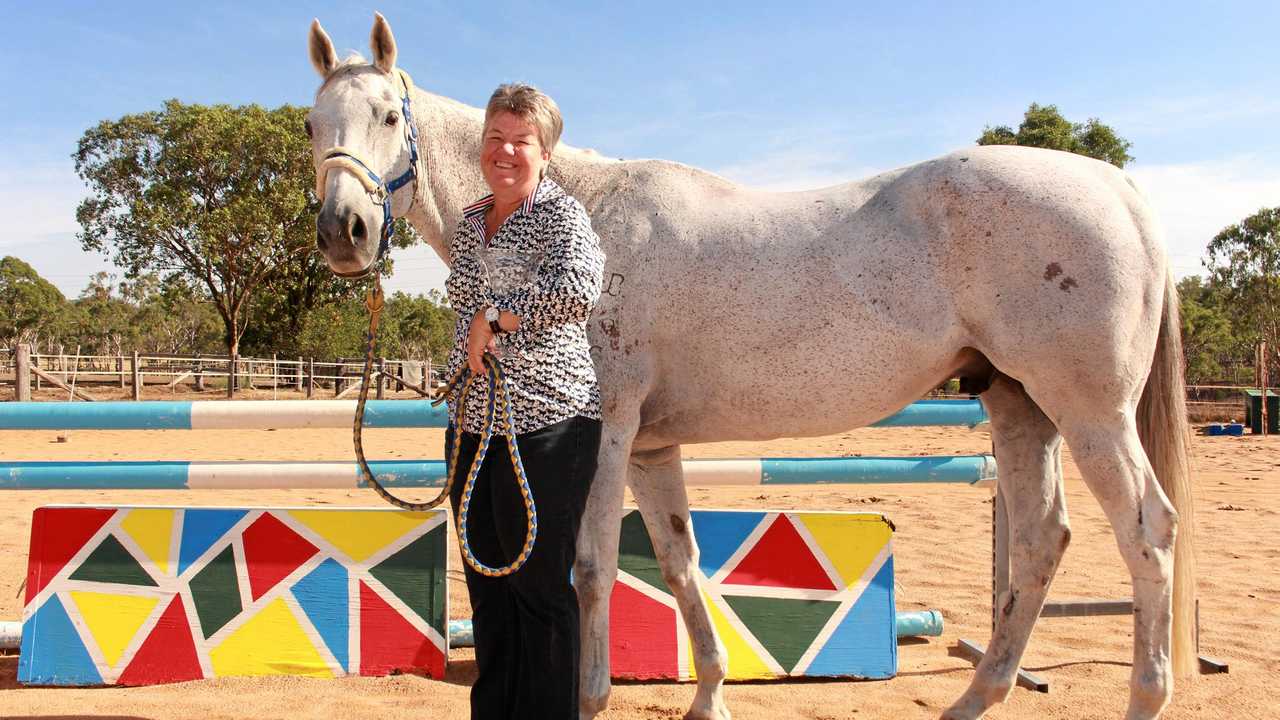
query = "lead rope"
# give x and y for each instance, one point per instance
(497, 399)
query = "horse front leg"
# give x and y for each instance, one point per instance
(596, 566)
(657, 481)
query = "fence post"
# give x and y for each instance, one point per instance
(137, 377)
(298, 384)
(198, 371)
(22, 373)
(120, 369)
(1262, 381)
(311, 377)
(382, 379)
(338, 375)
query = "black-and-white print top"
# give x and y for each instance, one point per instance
(547, 362)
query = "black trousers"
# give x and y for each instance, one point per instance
(526, 624)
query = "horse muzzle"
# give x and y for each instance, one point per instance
(347, 238)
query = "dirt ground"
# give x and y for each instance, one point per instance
(943, 549)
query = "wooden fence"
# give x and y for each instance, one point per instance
(79, 375)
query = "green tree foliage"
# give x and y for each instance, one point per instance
(104, 320)
(418, 327)
(1208, 339)
(423, 326)
(218, 196)
(1244, 261)
(146, 315)
(1043, 126)
(31, 308)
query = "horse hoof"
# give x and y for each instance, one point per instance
(713, 713)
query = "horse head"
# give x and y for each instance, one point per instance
(369, 168)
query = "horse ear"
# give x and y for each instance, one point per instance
(383, 44)
(323, 57)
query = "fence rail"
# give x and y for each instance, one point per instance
(79, 374)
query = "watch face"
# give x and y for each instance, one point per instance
(491, 314)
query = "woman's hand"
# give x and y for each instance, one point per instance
(479, 339)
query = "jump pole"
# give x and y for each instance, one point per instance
(286, 414)
(182, 475)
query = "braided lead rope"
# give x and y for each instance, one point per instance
(497, 396)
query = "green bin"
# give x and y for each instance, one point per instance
(1253, 412)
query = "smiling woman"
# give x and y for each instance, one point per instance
(527, 622)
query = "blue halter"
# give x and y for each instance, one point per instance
(381, 191)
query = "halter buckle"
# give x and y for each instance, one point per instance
(378, 194)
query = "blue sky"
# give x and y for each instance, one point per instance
(780, 95)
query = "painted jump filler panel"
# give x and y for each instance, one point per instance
(146, 595)
(791, 594)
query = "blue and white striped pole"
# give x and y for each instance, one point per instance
(286, 414)
(964, 469)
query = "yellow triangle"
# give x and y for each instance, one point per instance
(270, 643)
(153, 531)
(113, 620)
(744, 663)
(360, 533)
(850, 541)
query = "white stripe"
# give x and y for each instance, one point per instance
(704, 473)
(646, 589)
(266, 414)
(769, 591)
(273, 475)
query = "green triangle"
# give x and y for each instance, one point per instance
(786, 627)
(216, 592)
(635, 552)
(110, 562)
(416, 574)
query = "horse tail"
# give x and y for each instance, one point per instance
(1166, 437)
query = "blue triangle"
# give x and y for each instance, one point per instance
(52, 652)
(720, 534)
(323, 596)
(865, 644)
(200, 530)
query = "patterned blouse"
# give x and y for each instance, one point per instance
(547, 363)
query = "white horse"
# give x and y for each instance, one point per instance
(1039, 275)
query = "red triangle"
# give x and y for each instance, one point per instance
(781, 558)
(389, 643)
(271, 552)
(57, 534)
(168, 654)
(642, 636)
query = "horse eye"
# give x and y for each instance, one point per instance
(306, 125)
(391, 120)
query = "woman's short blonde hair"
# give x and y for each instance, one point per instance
(530, 105)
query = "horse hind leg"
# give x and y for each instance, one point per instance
(1028, 454)
(1111, 458)
(657, 481)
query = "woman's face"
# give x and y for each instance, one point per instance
(511, 157)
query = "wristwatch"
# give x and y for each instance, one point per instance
(491, 314)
